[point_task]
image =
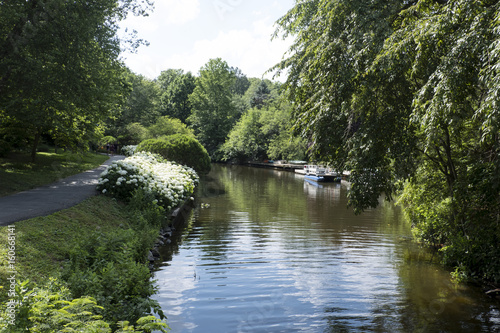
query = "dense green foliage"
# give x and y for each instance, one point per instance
(262, 134)
(112, 268)
(176, 86)
(241, 82)
(53, 309)
(179, 148)
(213, 113)
(260, 95)
(96, 250)
(60, 73)
(404, 95)
(142, 104)
(165, 126)
(133, 134)
(140, 110)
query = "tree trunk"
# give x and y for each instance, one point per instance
(35, 146)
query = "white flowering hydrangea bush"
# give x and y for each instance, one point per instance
(169, 183)
(129, 150)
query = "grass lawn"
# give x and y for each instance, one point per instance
(17, 173)
(43, 244)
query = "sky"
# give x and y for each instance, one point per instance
(185, 34)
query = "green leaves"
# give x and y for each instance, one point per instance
(213, 113)
(59, 70)
(264, 134)
(336, 99)
(52, 309)
(181, 149)
(406, 93)
(176, 86)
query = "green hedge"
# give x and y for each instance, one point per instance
(181, 149)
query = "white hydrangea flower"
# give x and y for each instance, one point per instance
(168, 182)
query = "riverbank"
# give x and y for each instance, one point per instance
(95, 257)
(88, 266)
(98, 248)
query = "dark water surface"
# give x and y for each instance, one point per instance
(274, 253)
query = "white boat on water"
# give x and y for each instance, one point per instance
(319, 173)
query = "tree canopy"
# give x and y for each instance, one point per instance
(405, 95)
(214, 112)
(176, 86)
(143, 102)
(166, 126)
(264, 133)
(60, 72)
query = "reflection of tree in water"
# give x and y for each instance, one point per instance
(348, 273)
(262, 193)
(233, 193)
(209, 187)
(169, 249)
(340, 323)
(434, 303)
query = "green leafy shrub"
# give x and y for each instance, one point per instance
(133, 134)
(111, 267)
(166, 126)
(264, 134)
(106, 268)
(107, 140)
(464, 227)
(53, 309)
(181, 149)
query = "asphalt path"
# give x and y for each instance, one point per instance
(51, 198)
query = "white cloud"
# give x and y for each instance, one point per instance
(187, 33)
(166, 12)
(250, 50)
(178, 11)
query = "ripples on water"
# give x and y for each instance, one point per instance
(276, 254)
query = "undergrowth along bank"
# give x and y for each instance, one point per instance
(85, 269)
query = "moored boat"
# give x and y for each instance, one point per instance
(319, 173)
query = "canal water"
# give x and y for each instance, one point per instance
(266, 251)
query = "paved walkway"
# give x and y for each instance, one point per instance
(51, 198)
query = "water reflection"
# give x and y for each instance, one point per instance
(275, 254)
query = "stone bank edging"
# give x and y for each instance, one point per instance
(177, 216)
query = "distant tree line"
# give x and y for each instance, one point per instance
(62, 84)
(214, 107)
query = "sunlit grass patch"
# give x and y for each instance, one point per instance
(43, 244)
(18, 173)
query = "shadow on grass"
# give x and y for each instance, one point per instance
(18, 173)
